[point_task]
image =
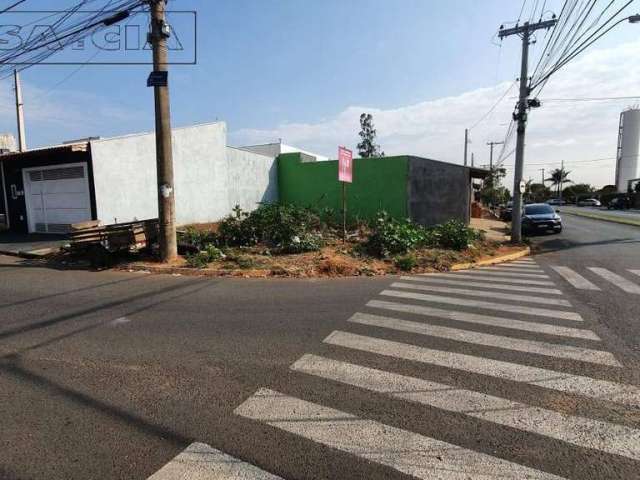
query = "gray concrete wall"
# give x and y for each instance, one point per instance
(209, 177)
(251, 178)
(438, 191)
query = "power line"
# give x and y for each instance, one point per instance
(20, 2)
(590, 99)
(490, 111)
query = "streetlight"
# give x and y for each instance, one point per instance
(634, 18)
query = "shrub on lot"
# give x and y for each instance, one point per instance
(286, 228)
(406, 263)
(211, 253)
(390, 236)
(196, 239)
(455, 235)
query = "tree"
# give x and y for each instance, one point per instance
(608, 190)
(492, 192)
(575, 192)
(368, 148)
(538, 192)
(558, 178)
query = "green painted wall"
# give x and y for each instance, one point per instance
(378, 184)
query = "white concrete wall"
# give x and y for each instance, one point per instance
(252, 179)
(209, 178)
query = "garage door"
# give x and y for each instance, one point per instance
(56, 197)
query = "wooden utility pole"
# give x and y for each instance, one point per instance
(524, 31)
(22, 142)
(493, 176)
(160, 32)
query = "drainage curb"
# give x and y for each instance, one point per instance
(492, 261)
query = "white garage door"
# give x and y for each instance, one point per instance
(56, 197)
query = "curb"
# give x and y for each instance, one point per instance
(32, 255)
(622, 221)
(492, 261)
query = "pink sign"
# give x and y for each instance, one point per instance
(345, 165)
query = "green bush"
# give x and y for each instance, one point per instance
(455, 235)
(396, 237)
(211, 253)
(392, 237)
(285, 228)
(196, 238)
(406, 263)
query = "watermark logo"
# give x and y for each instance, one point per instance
(56, 38)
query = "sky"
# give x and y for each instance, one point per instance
(303, 71)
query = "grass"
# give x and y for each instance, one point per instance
(605, 217)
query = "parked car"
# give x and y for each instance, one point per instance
(619, 203)
(556, 201)
(506, 212)
(589, 202)
(541, 217)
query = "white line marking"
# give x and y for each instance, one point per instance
(485, 320)
(407, 452)
(465, 283)
(635, 272)
(515, 266)
(483, 294)
(574, 278)
(522, 261)
(488, 340)
(513, 281)
(617, 280)
(500, 273)
(539, 312)
(119, 321)
(584, 432)
(564, 382)
(201, 462)
(536, 271)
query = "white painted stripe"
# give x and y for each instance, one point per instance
(488, 340)
(201, 462)
(516, 266)
(536, 271)
(617, 280)
(407, 452)
(635, 272)
(574, 278)
(525, 261)
(466, 283)
(502, 273)
(580, 431)
(484, 294)
(513, 281)
(539, 312)
(564, 382)
(485, 320)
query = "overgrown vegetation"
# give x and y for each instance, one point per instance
(397, 237)
(247, 240)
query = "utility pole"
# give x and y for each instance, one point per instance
(472, 159)
(542, 170)
(524, 31)
(466, 145)
(561, 175)
(22, 142)
(493, 177)
(160, 32)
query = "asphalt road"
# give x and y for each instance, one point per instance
(111, 375)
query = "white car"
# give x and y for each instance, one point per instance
(589, 202)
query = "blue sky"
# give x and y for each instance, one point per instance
(264, 65)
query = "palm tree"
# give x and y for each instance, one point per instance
(559, 177)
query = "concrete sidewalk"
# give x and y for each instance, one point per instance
(31, 246)
(494, 229)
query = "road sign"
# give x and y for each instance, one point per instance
(523, 186)
(345, 165)
(158, 79)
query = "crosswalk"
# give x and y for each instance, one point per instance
(516, 308)
(599, 279)
(467, 344)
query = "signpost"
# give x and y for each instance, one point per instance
(345, 175)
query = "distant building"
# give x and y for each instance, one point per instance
(628, 154)
(7, 143)
(275, 149)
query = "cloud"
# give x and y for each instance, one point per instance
(53, 117)
(569, 131)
